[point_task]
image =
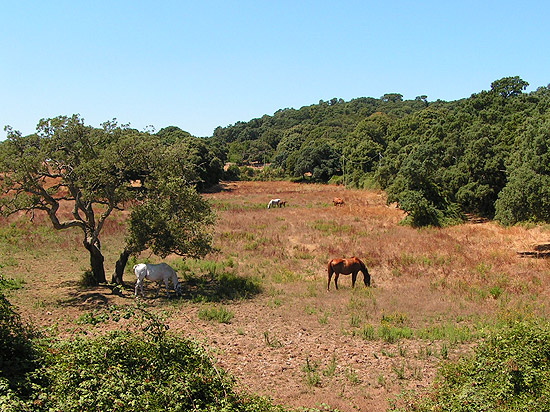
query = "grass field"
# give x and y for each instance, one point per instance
(261, 302)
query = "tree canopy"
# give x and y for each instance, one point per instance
(485, 155)
(98, 170)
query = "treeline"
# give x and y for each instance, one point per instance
(486, 155)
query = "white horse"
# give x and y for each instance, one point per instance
(156, 273)
(276, 202)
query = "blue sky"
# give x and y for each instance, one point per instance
(202, 64)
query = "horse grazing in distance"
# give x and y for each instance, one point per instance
(338, 201)
(156, 273)
(345, 267)
(276, 202)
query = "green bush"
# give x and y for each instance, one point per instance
(510, 371)
(122, 371)
(17, 356)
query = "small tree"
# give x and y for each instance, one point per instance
(91, 169)
(173, 219)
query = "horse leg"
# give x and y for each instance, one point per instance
(167, 290)
(353, 279)
(140, 286)
(336, 275)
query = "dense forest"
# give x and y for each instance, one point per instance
(486, 155)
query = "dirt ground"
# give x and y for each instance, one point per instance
(420, 278)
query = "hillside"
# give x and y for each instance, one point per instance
(486, 155)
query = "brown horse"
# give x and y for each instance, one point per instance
(338, 201)
(345, 267)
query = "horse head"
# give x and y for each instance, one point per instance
(366, 275)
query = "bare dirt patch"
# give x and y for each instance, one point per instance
(294, 341)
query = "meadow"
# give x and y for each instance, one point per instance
(261, 305)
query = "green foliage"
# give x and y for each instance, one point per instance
(18, 357)
(123, 372)
(98, 170)
(311, 370)
(120, 371)
(485, 155)
(233, 172)
(510, 371)
(88, 279)
(173, 219)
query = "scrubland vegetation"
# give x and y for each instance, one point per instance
(449, 305)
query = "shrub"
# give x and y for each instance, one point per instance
(17, 356)
(510, 371)
(124, 371)
(120, 371)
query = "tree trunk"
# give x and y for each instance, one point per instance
(96, 262)
(119, 267)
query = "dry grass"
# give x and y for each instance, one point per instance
(434, 290)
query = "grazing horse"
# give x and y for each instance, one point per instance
(156, 273)
(338, 201)
(276, 202)
(345, 267)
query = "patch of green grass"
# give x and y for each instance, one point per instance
(395, 318)
(217, 313)
(283, 275)
(323, 319)
(450, 332)
(393, 334)
(210, 281)
(355, 320)
(311, 310)
(331, 367)
(368, 332)
(399, 370)
(352, 376)
(11, 284)
(311, 370)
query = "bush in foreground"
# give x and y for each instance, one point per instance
(121, 371)
(125, 371)
(510, 371)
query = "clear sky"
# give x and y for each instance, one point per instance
(203, 63)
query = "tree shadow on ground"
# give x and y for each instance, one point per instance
(220, 187)
(87, 298)
(211, 287)
(206, 287)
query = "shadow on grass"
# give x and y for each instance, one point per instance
(211, 287)
(220, 187)
(200, 282)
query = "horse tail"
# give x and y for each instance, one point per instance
(330, 268)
